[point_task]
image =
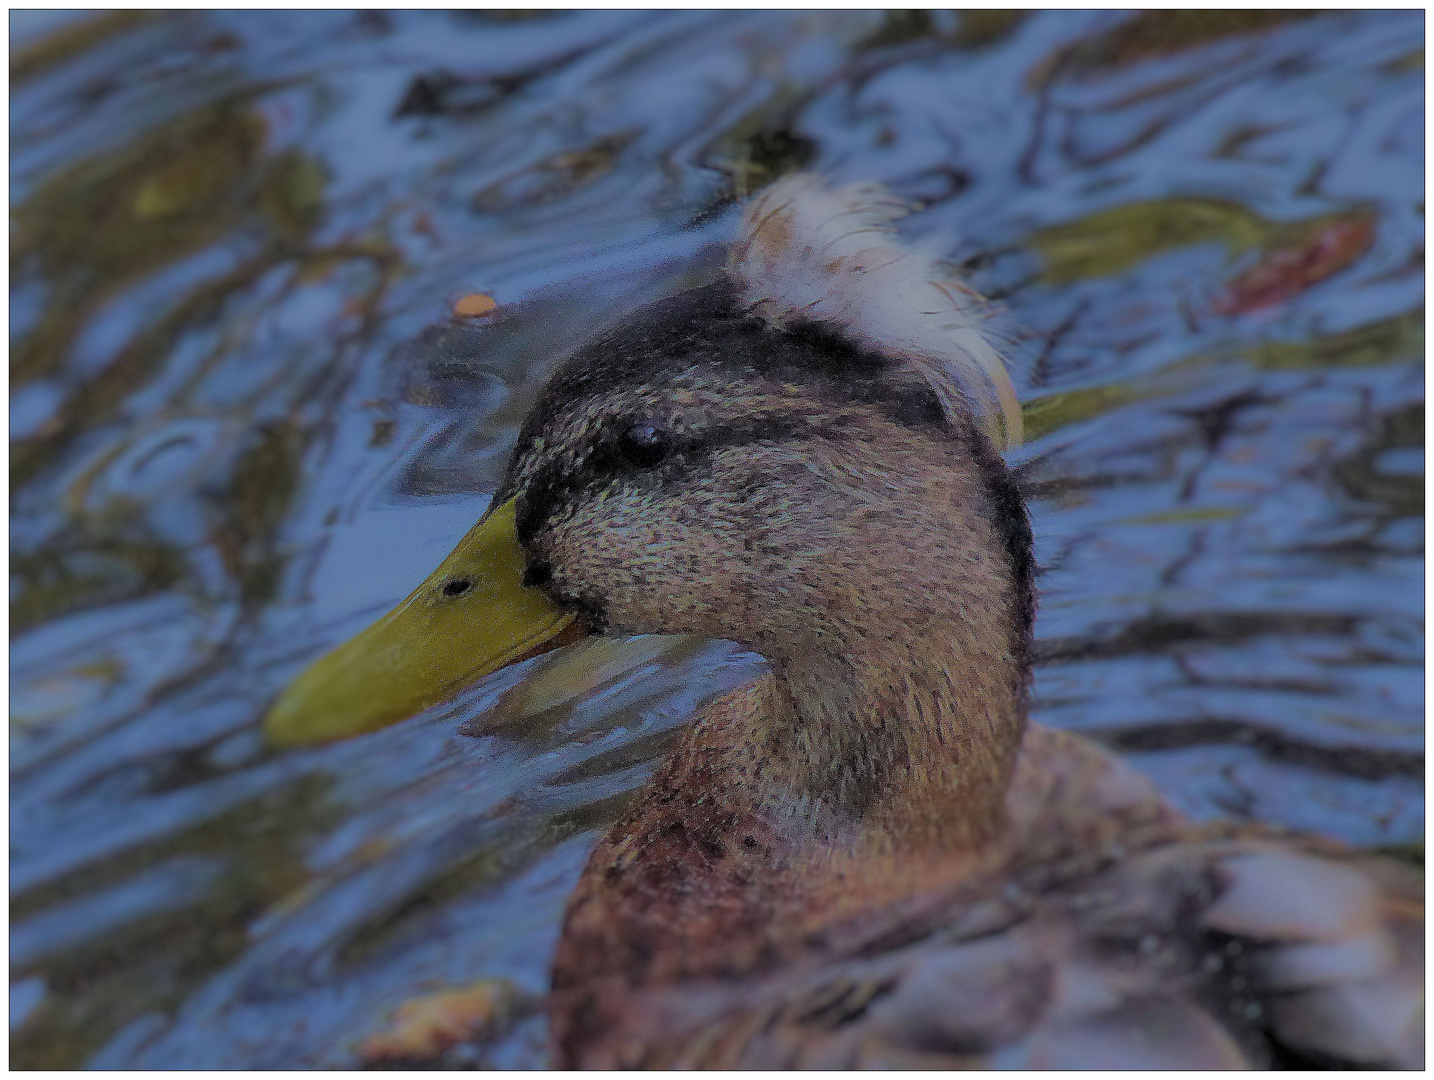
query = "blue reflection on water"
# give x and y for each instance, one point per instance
(233, 444)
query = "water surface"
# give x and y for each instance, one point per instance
(243, 422)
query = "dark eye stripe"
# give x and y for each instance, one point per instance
(558, 483)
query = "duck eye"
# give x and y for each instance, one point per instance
(644, 445)
(456, 587)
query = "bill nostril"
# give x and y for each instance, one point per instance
(538, 572)
(456, 587)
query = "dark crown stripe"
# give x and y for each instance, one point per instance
(705, 327)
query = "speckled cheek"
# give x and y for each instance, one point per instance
(634, 557)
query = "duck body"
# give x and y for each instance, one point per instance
(1102, 930)
(867, 857)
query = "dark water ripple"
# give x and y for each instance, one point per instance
(242, 424)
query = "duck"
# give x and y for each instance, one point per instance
(869, 856)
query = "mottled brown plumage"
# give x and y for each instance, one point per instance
(868, 857)
(1101, 931)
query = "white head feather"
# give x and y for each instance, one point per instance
(807, 251)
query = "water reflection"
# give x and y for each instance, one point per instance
(242, 423)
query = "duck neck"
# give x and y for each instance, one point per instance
(896, 746)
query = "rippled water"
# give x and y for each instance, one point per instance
(243, 422)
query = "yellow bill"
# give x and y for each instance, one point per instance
(471, 617)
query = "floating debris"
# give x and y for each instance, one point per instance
(474, 306)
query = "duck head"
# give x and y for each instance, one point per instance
(800, 457)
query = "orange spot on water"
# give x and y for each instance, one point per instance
(474, 306)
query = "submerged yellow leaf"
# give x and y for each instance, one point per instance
(1112, 241)
(425, 1026)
